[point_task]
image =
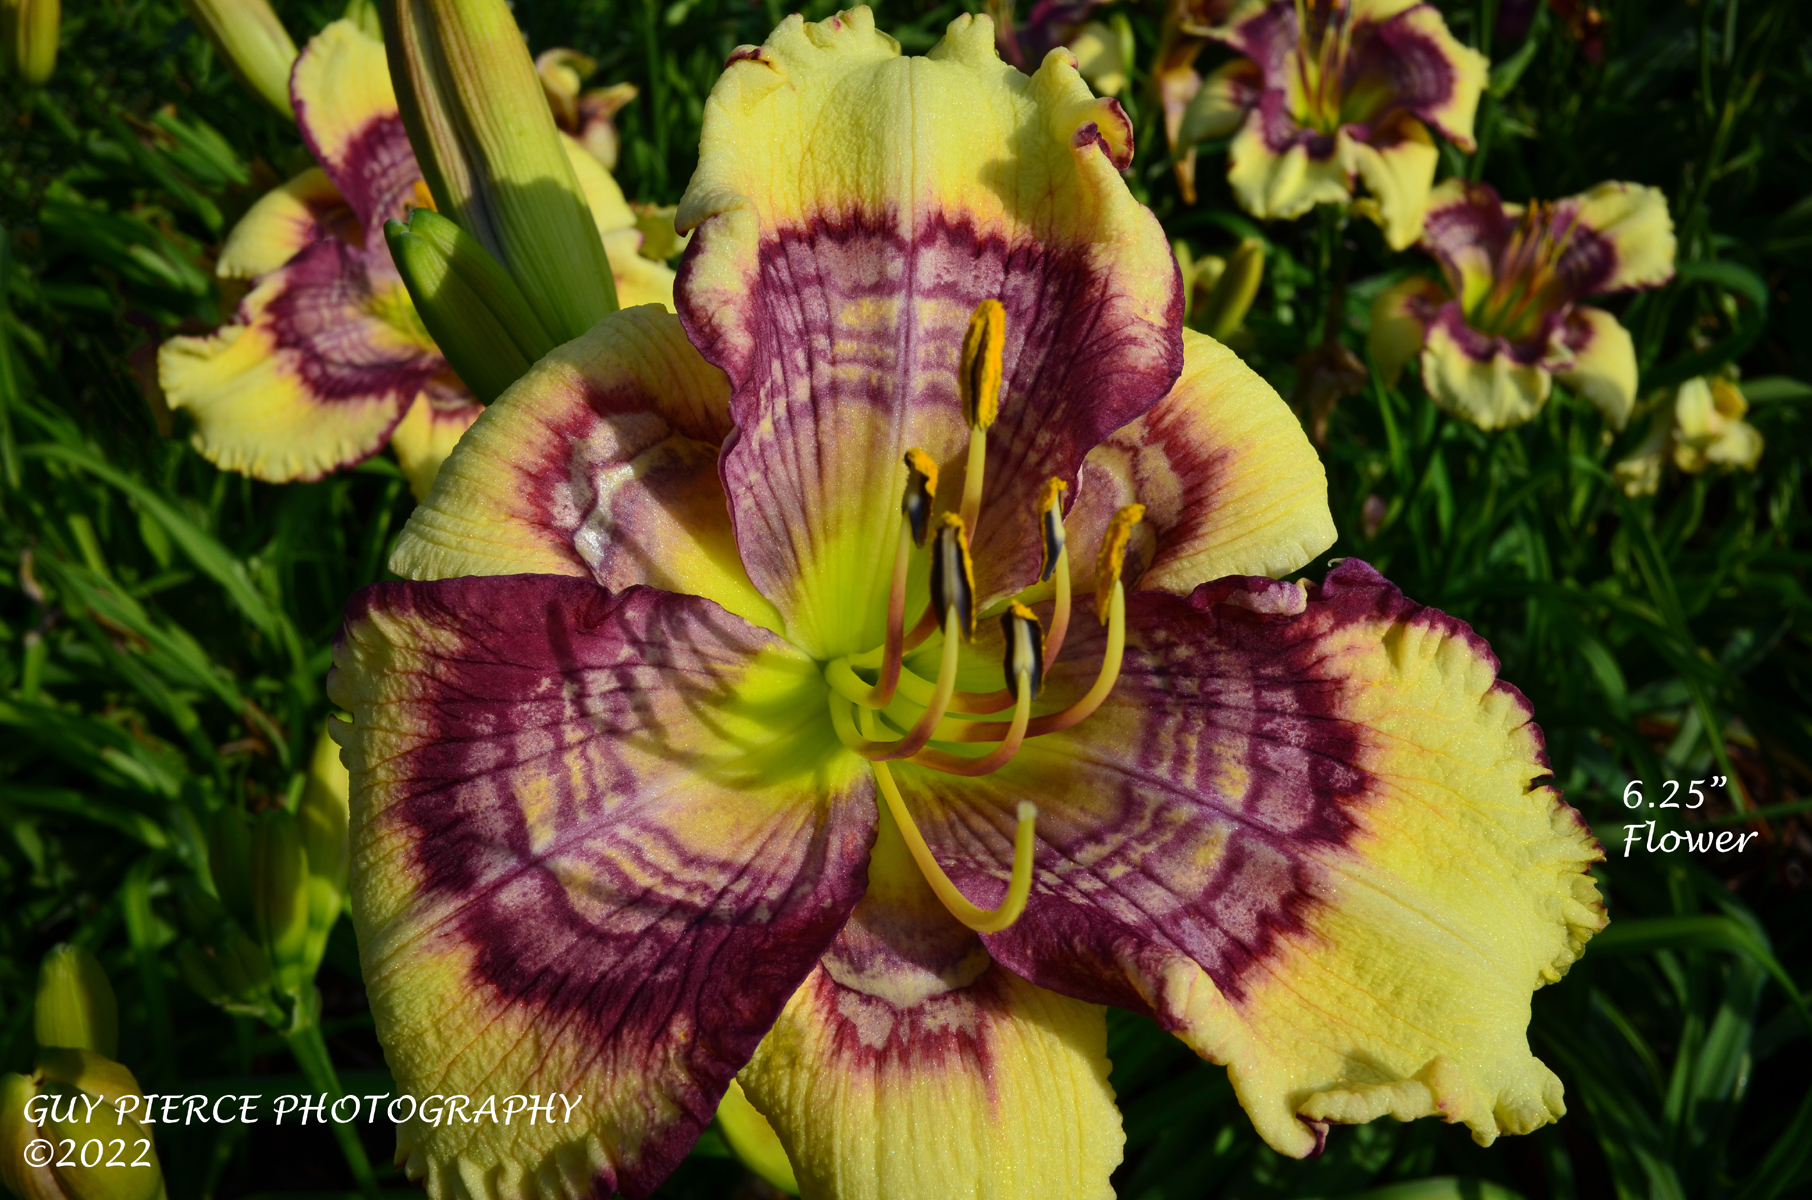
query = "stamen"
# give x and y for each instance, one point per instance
(953, 574)
(1024, 669)
(915, 506)
(921, 489)
(1056, 562)
(1112, 556)
(914, 741)
(1019, 884)
(978, 384)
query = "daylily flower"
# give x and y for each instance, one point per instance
(326, 360)
(1698, 425)
(1187, 26)
(1331, 90)
(1507, 320)
(1102, 57)
(660, 777)
(589, 116)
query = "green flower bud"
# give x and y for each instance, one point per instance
(220, 961)
(323, 816)
(31, 29)
(280, 895)
(476, 313)
(230, 863)
(1231, 296)
(253, 42)
(75, 1006)
(81, 1097)
(485, 138)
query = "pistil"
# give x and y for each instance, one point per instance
(1019, 884)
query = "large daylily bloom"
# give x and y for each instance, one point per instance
(644, 797)
(1334, 91)
(1506, 318)
(326, 360)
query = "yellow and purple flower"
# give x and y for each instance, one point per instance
(1337, 91)
(326, 360)
(682, 754)
(1506, 319)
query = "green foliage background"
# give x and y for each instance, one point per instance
(165, 628)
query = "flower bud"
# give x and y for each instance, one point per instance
(1231, 295)
(280, 901)
(492, 158)
(31, 29)
(253, 42)
(75, 1006)
(323, 817)
(230, 864)
(754, 1140)
(80, 1097)
(474, 310)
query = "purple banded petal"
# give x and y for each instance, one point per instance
(600, 462)
(1631, 242)
(346, 111)
(835, 295)
(1467, 229)
(1487, 379)
(1399, 323)
(1601, 363)
(1228, 479)
(1307, 832)
(597, 841)
(1403, 59)
(283, 221)
(909, 1065)
(431, 428)
(1397, 164)
(1280, 170)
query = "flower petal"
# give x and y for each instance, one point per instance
(1228, 479)
(346, 112)
(1398, 167)
(908, 1065)
(1307, 833)
(282, 222)
(1603, 363)
(324, 359)
(1626, 239)
(1484, 379)
(835, 294)
(1279, 171)
(1467, 228)
(601, 461)
(1220, 105)
(1399, 325)
(1404, 55)
(598, 840)
(429, 431)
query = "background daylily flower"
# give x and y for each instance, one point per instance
(1103, 52)
(1507, 320)
(588, 116)
(326, 360)
(1334, 90)
(1697, 425)
(656, 782)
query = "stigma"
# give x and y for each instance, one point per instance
(887, 713)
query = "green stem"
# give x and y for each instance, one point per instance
(135, 907)
(310, 1051)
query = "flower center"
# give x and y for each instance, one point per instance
(1324, 41)
(885, 712)
(1527, 283)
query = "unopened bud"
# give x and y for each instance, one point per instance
(82, 1097)
(75, 1006)
(253, 42)
(230, 864)
(476, 313)
(1231, 297)
(31, 29)
(487, 145)
(323, 817)
(280, 895)
(754, 1141)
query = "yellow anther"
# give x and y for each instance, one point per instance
(1113, 555)
(979, 382)
(1024, 662)
(921, 489)
(953, 575)
(1050, 518)
(423, 198)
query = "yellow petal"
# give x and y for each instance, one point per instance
(1280, 186)
(1603, 366)
(426, 435)
(754, 1140)
(1493, 392)
(1399, 323)
(1399, 173)
(1228, 479)
(283, 221)
(1635, 220)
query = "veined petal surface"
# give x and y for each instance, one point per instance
(600, 462)
(430, 429)
(1228, 479)
(852, 207)
(909, 1065)
(1307, 832)
(282, 222)
(575, 817)
(346, 112)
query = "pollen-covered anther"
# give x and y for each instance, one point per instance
(921, 490)
(953, 575)
(1024, 662)
(978, 383)
(1056, 562)
(1112, 557)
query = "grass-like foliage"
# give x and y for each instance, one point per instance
(165, 628)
